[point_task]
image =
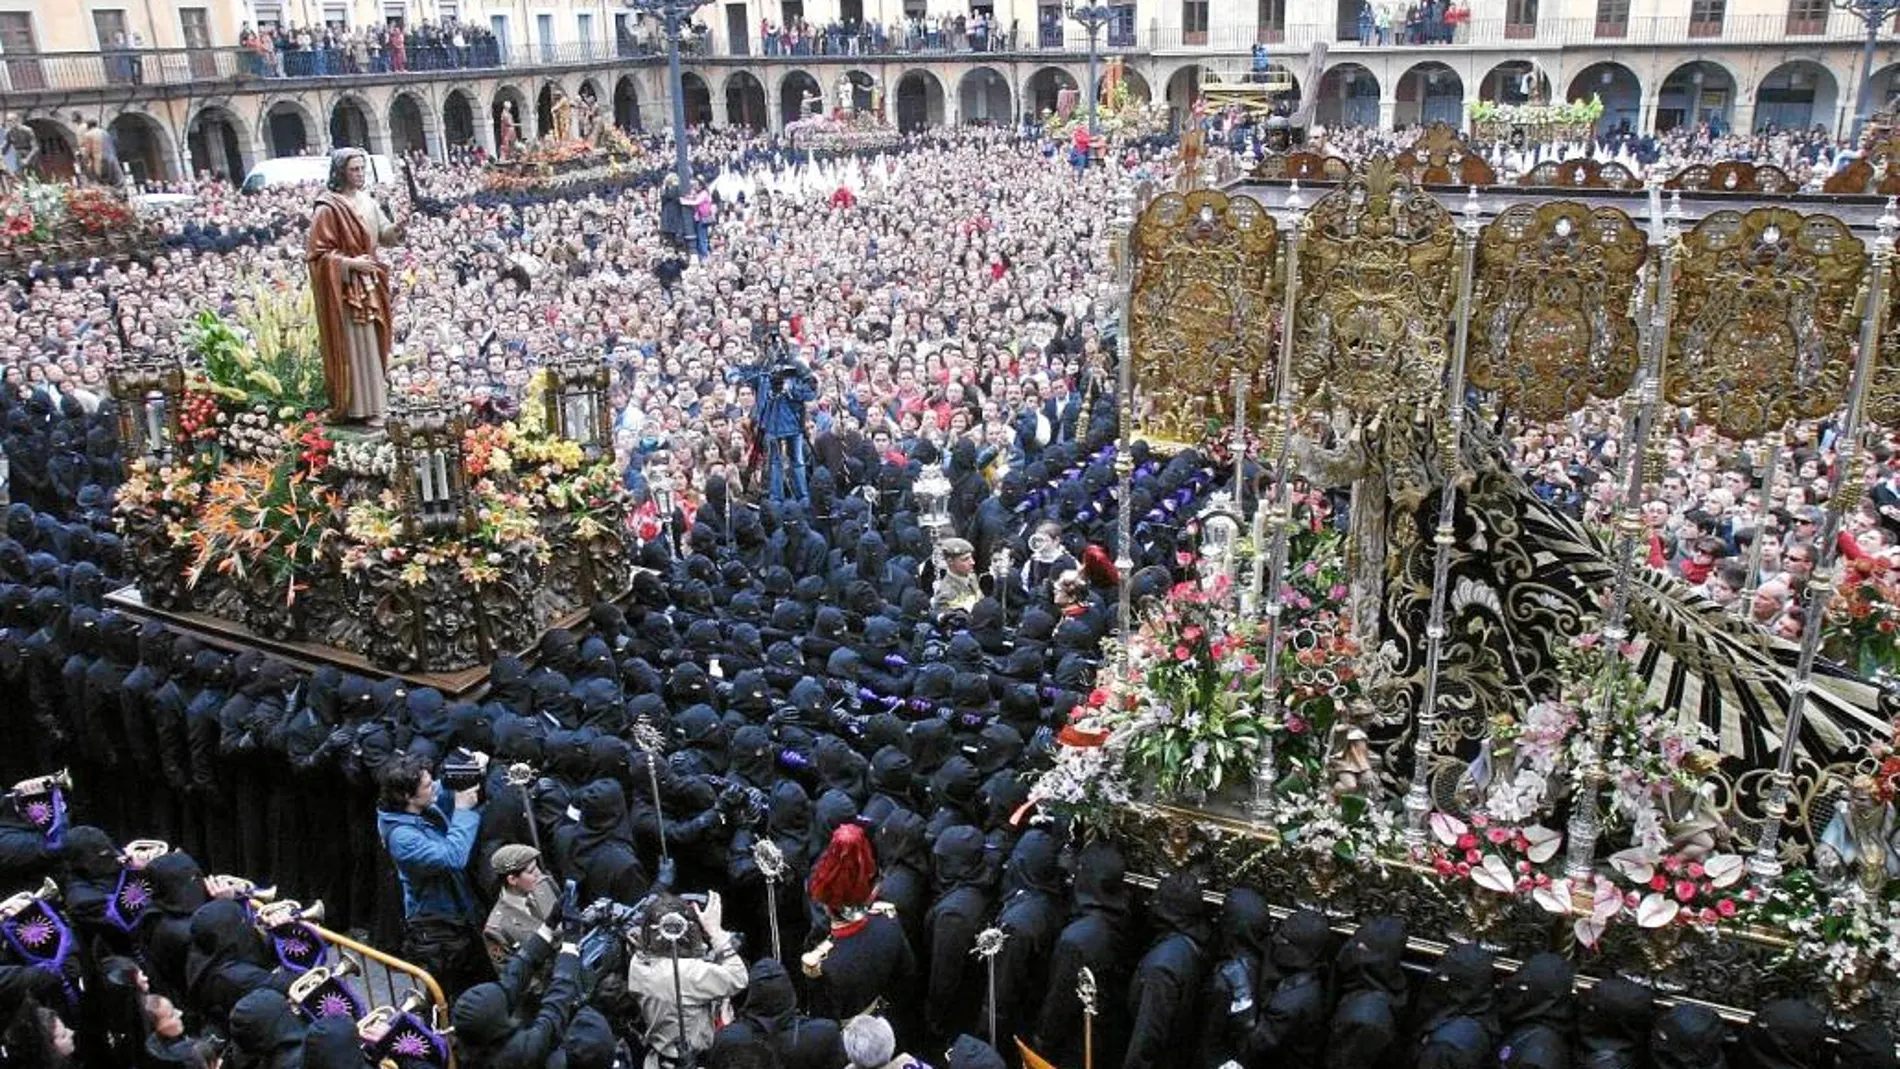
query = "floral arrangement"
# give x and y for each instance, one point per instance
(368, 458)
(1198, 717)
(268, 521)
(1849, 938)
(1548, 121)
(1863, 619)
(1500, 858)
(504, 525)
(41, 213)
(96, 211)
(269, 357)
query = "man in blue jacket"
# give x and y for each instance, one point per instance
(429, 832)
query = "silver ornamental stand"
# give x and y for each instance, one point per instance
(673, 928)
(1085, 990)
(648, 738)
(1279, 439)
(1584, 828)
(1769, 469)
(771, 864)
(1418, 797)
(1122, 240)
(1843, 490)
(989, 943)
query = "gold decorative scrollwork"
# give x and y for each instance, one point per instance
(1378, 284)
(1550, 322)
(1764, 320)
(1442, 156)
(1204, 309)
(1882, 404)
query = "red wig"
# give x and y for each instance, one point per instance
(1098, 568)
(845, 875)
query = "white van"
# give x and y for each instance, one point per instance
(301, 170)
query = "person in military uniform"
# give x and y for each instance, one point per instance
(526, 901)
(957, 588)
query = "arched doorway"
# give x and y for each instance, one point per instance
(626, 104)
(458, 119)
(919, 101)
(56, 149)
(863, 91)
(349, 124)
(215, 145)
(1348, 96)
(794, 90)
(983, 97)
(1044, 92)
(1798, 95)
(1696, 93)
(1184, 88)
(1620, 91)
(699, 110)
(145, 150)
(510, 105)
(745, 101)
(288, 129)
(1429, 93)
(544, 110)
(407, 131)
(1517, 81)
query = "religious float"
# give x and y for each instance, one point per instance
(56, 223)
(845, 128)
(1120, 115)
(1468, 708)
(1522, 125)
(429, 547)
(583, 147)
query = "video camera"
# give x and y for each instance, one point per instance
(462, 769)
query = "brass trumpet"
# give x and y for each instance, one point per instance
(277, 913)
(142, 852)
(14, 904)
(381, 1019)
(307, 984)
(35, 785)
(239, 887)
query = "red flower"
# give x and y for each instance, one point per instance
(1658, 882)
(1726, 907)
(1098, 698)
(1473, 856)
(1685, 890)
(1467, 841)
(1182, 653)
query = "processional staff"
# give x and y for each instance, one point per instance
(1085, 990)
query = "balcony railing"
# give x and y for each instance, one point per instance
(155, 69)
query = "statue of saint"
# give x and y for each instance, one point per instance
(846, 103)
(351, 289)
(22, 147)
(563, 112)
(509, 130)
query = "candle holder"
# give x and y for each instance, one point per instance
(431, 483)
(150, 393)
(577, 405)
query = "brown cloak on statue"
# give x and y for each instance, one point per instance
(336, 231)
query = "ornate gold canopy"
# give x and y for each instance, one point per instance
(1204, 309)
(1377, 289)
(1764, 324)
(1551, 327)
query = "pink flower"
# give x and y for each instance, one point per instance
(1463, 869)
(1523, 868)
(1473, 856)
(1523, 885)
(1182, 653)
(1685, 890)
(1193, 634)
(1467, 841)
(1444, 867)
(1631, 899)
(1498, 836)
(1672, 865)
(1695, 869)
(1586, 642)
(1295, 725)
(1726, 907)
(1479, 820)
(1312, 568)
(1708, 915)
(1337, 593)
(1658, 882)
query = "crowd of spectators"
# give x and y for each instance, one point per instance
(320, 51)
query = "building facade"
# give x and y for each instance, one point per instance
(189, 86)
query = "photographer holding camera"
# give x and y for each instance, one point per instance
(783, 386)
(682, 974)
(429, 830)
